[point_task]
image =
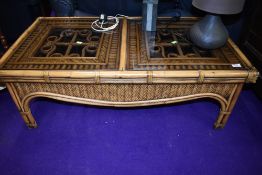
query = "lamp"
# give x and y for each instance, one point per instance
(210, 32)
(149, 15)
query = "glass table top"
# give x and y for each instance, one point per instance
(71, 44)
(169, 48)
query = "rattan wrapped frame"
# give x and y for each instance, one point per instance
(222, 85)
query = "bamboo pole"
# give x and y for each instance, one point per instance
(122, 65)
(125, 74)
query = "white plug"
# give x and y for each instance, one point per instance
(97, 25)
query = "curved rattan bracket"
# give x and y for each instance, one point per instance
(220, 99)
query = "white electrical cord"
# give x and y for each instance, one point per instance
(98, 27)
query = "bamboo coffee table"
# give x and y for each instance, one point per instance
(63, 59)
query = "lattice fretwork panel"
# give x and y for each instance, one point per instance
(170, 48)
(67, 44)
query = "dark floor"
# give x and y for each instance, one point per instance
(164, 140)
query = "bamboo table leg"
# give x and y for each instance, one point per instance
(23, 108)
(224, 115)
